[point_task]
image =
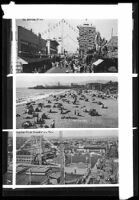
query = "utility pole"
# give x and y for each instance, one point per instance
(62, 157)
(62, 32)
(48, 40)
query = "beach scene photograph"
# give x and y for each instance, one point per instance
(66, 102)
(69, 157)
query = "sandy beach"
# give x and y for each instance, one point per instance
(70, 110)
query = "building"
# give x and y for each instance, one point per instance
(113, 43)
(38, 170)
(94, 86)
(87, 38)
(52, 47)
(33, 51)
(35, 175)
(112, 47)
(20, 169)
(77, 168)
(30, 44)
(96, 148)
(24, 158)
(55, 177)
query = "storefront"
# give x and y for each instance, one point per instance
(37, 65)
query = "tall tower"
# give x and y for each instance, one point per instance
(62, 157)
(36, 143)
(40, 150)
(87, 37)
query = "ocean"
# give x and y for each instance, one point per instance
(24, 95)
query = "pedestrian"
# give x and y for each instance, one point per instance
(61, 110)
(53, 124)
(78, 113)
(72, 68)
(90, 70)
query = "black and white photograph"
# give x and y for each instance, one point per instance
(66, 102)
(67, 157)
(67, 46)
(7, 158)
(69, 100)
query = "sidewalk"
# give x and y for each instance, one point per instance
(58, 70)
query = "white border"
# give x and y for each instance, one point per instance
(14, 100)
(53, 11)
(63, 186)
(122, 12)
(125, 101)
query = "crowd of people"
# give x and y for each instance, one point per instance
(73, 64)
(78, 63)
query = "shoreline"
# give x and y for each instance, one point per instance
(39, 97)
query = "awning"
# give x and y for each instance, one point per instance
(33, 60)
(52, 49)
(98, 62)
(21, 61)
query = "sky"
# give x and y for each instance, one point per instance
(70, 37)
(30, 81)
(73, 133)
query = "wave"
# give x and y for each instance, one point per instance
(24, 100)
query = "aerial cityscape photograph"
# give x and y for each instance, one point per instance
(67, 157)
(8, 169)
(66, 102)
(67, 46)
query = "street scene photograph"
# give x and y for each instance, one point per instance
(67, 157)
(66, 102)
(67, 46)
(8, 159)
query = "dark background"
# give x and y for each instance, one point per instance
(7, 82)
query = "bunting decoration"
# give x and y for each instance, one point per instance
(57, 25)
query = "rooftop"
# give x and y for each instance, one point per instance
(38, 169)
(55, 175)
(29, 36)
(78, 165)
